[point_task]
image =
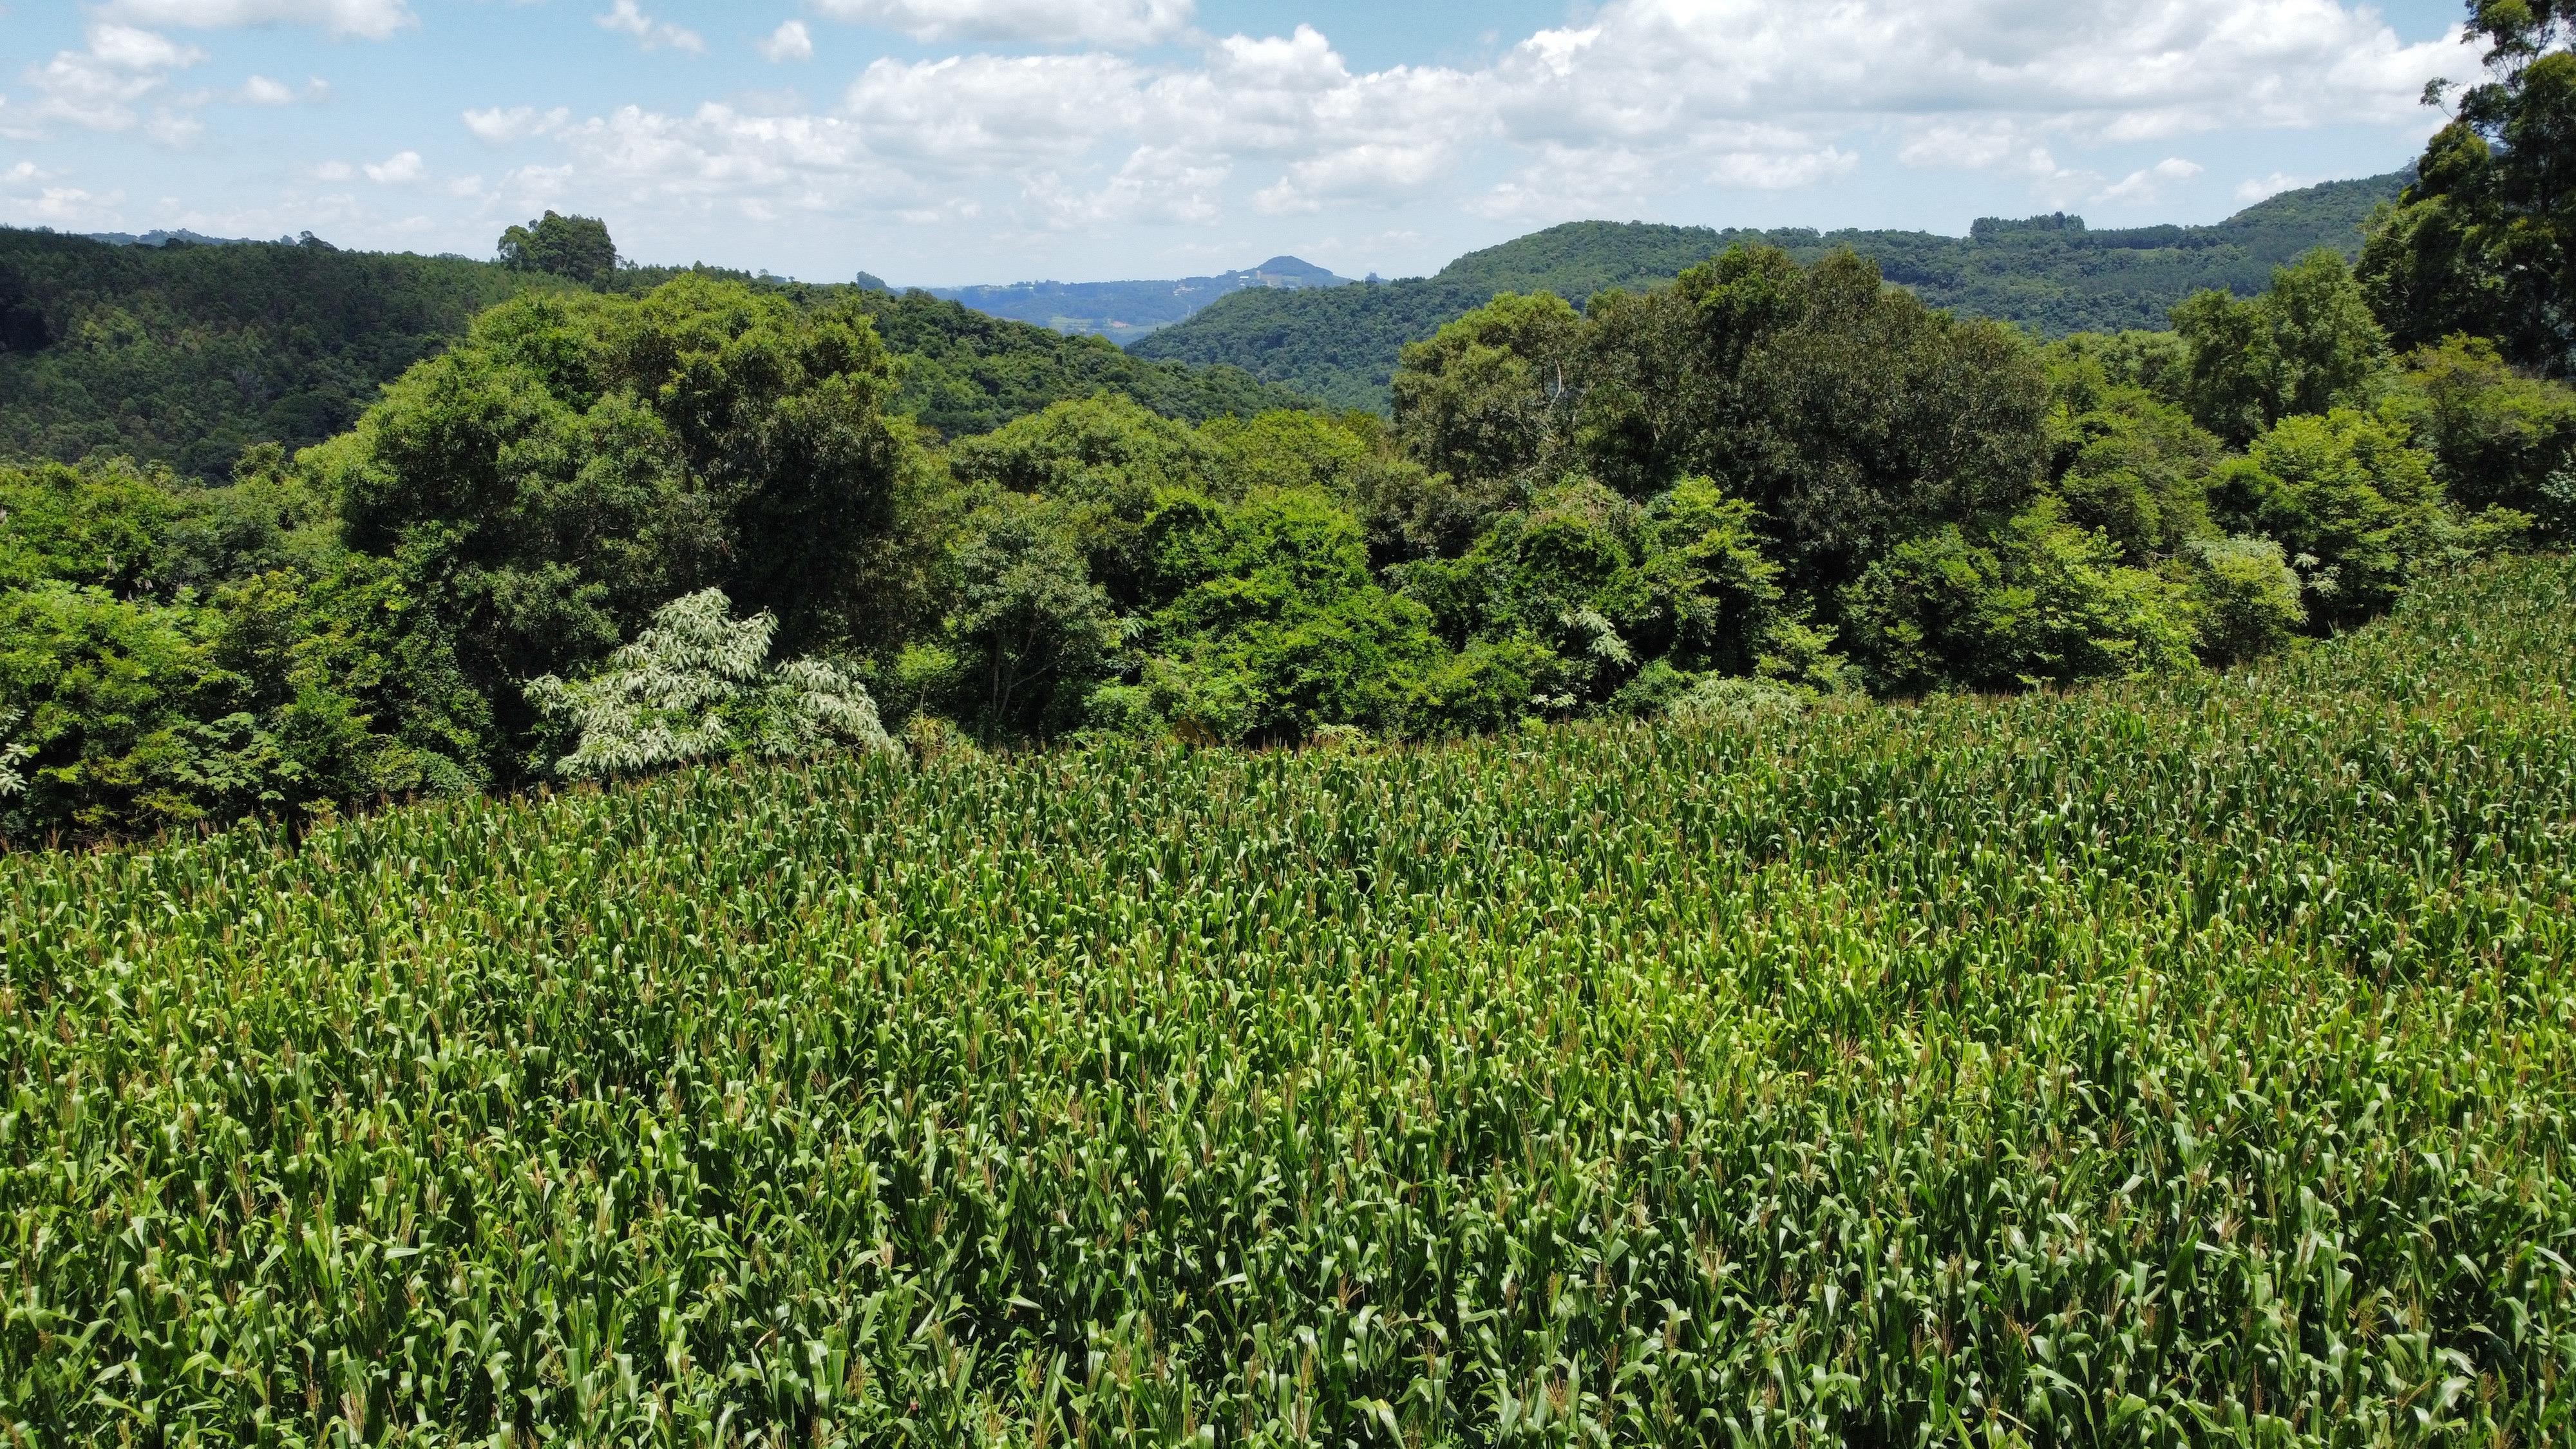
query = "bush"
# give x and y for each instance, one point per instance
(697, 686)
(2497, 439)
(2356, 507)
(2245, 596)
(2042, 602)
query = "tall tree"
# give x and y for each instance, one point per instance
(2484, 242)
(574, 247)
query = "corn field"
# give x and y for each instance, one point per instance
(2185, 1063)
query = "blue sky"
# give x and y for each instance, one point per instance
(947, 141)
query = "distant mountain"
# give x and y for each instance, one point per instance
(1126, 311)
(2051, 273)
(164, 238)
(188, 354)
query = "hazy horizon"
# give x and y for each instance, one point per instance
(949, 143)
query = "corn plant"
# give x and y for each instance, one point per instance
(2183, 1063)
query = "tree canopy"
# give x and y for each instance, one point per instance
(575, 248)
(2484, 242)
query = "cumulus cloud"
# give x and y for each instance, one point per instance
(1032, 22)
(29, 195)
(791, 41)
(401, 169)
(626, 17)
(2264, 188)
(259, 90)
(1645, 99)
(501, 127)
(100, 86)
(2149, 184)
(365, 19)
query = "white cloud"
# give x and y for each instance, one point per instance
(27, 197)
(791, 41)
(1031, 22)
(501, 127)
(2264, 188)
(400, 169)
(1647, 99)
(2141, 187)
(366, 19)
(626, 17)
(259, 90)
(99, 87)
(334, 171)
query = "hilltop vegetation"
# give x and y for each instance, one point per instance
(2181, 1061)
(2051, 274)
(1704, 497)
(1125, 311)
(189, 356)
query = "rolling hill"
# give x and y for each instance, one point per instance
(186, 354)
(2050, 273)
(1127, 311)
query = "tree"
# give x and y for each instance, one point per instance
(578, 461)
(2038, 602)
(2359, 510)
(576, 248)
(2307, 345)
(2497, 439)
(2484, 241)
(697, 685)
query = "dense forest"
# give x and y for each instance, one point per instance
(186, 355)
(2049, 273)
(1126, 311)
(631, 517)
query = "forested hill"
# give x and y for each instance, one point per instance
(1126, 311)
(187, 355)
(2051, 273)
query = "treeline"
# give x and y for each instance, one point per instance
(2050, 274)
(606, 533)
(187, 356)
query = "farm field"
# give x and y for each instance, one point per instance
(2166, 1064)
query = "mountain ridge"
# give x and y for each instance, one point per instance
(1129, 311)
(2051, 273)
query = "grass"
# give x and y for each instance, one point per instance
(2179, 1064)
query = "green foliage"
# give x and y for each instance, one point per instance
(1030, 635)
(2184, 1063)
(2498, 439)
(1847, 413)
(1281, 630)
(2307, 345)
(965, 373)
(2359, 509)
(181, 655)
(1342, 345)
(2039, 602)
(577, 461)
(575, 248)
(2484, 241)
(696, 685)
(1492, 395)
(2137, 471)
(2247, 600)
(189, 355)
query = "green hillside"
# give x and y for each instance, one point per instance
(2051, 273)
(1127, 311)
(187, 355)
